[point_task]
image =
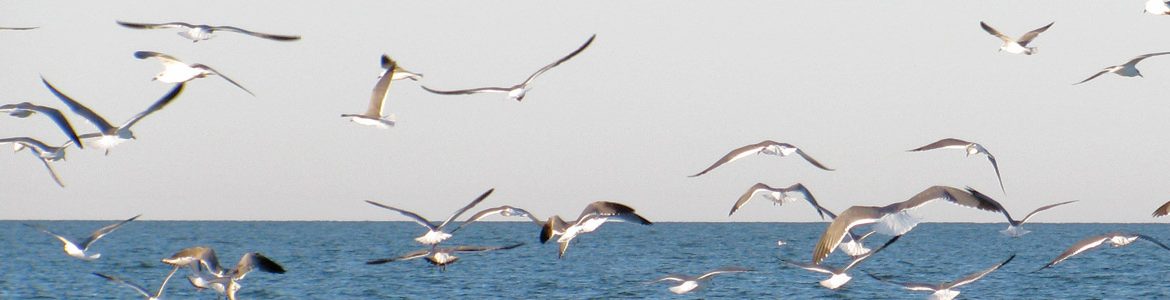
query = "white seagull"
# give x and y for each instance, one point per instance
(78, 251)
(176, 71)
(1015, 46)
(1129, 69)
(892, 219)
(108, 135)
(767, 147)
(948, 290)
(778, 196)
(439, 256)
(507, 211)
(141, 290)
(209, 274)
(374, 115)
(201, 32)
(1117, 239)
(591, 218)
(435, 234)
(39, 149)
(840, 276)
(971, 148)
(689, 284)
(516, 92)
(1157, 7)
(1015, 227)
(25, 109)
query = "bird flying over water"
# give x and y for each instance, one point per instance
(687, 284)
(969, 147)
(778, 196)
(374, 115)
(80, 250)
(435, 234)
(947, 290)
(108, 135)
(767, 147)
(1014, 46)
(591, 218)
(840, 276)
(1117, 239)
(138, 288)
(440, 256)
(516, 92)
(203, 32)
(1015, 227)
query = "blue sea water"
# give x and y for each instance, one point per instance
(326, 260)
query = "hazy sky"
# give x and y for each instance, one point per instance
(665, 90)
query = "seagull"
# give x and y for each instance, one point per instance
(768, 147)
(1157, 7)
(25, 109)
(435, 234)
(689, 284)
(201, 32)
(176, 71)
(374, 115)
(516, 92)
(1015, 227)
(947, 290)
(224, 281)
(1117, 239)
(591, 218)
(109, 136)
(840, 276)
(141, 290)
(45, 152)
(971, 148)
(440, 257)
(79, 250)
(1129, 69)
(1015, 46)
(892, 219)
(505, 210)
(778, 196)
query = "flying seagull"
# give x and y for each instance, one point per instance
(435, 234)
(947, 290)
(516, 92)
(1117, 239)
(374, 115)
(1157, 7)
(591, 218)
(176, 71)
(79, 250)
(42, 151)
(208, 272)
(768, 147)
(25, 109)
(201, 32)
(1015, 227)
(778, 196)
(141, 290)
(689, 284)
(507, 211)
(109, 136)
(440, 256)
(1015, 46)
(971, 148)
(840, 276)
(892, 219)
(1129, 69)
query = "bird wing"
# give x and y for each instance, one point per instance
(853, 216)
(748, 195)
(996, 33)
(995, 166)
(1152, 240)
(52, 114)
(407, 256)
(559, 61)
(275, 37)
(381, 88)
(482, 248)
(28, 142)
(799, 187)
(984, 197)
(863, 257)
(811, 267)
(101, 123)
(491, 211)
(950, 194)
(1139, 58)
(159, 104)
(976, 276)
(229, 80)
(415, 217)
(469, 91)
(613, 210)
(163, 287)
(103, 232)
(467, 207)
(18, 28)
(943, 143)
(1081, 246)
(1028, 37)
(255, 261)
(167, 60)
(811, 160)
(1162, 210)
(154, 25)
(132, 285)
(1043, 208)
(1094, 76)
(52, 172)
(46, 231)
(906, 285)
(734, 155)
(722, 271)
(671, 277)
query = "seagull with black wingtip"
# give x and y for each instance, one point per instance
(767, 147)
(202, 32)
(516, 92)
(435, 233)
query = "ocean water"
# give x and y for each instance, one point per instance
(326, 260)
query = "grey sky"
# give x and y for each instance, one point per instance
(666, 89)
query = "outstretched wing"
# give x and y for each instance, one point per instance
(101, 123)
(559, 61)
(996, 33)
(410, 255)
(465, 208)
(469, 91)
(158, 105)
(49, 112)
(229, 80)
(734, 155)
(1028, 37)
(154, 25)
(976, 276)
(275, 37)
(1043, 208)
(943, 143)
(104, 231)
(414, 217)
(132, 285)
